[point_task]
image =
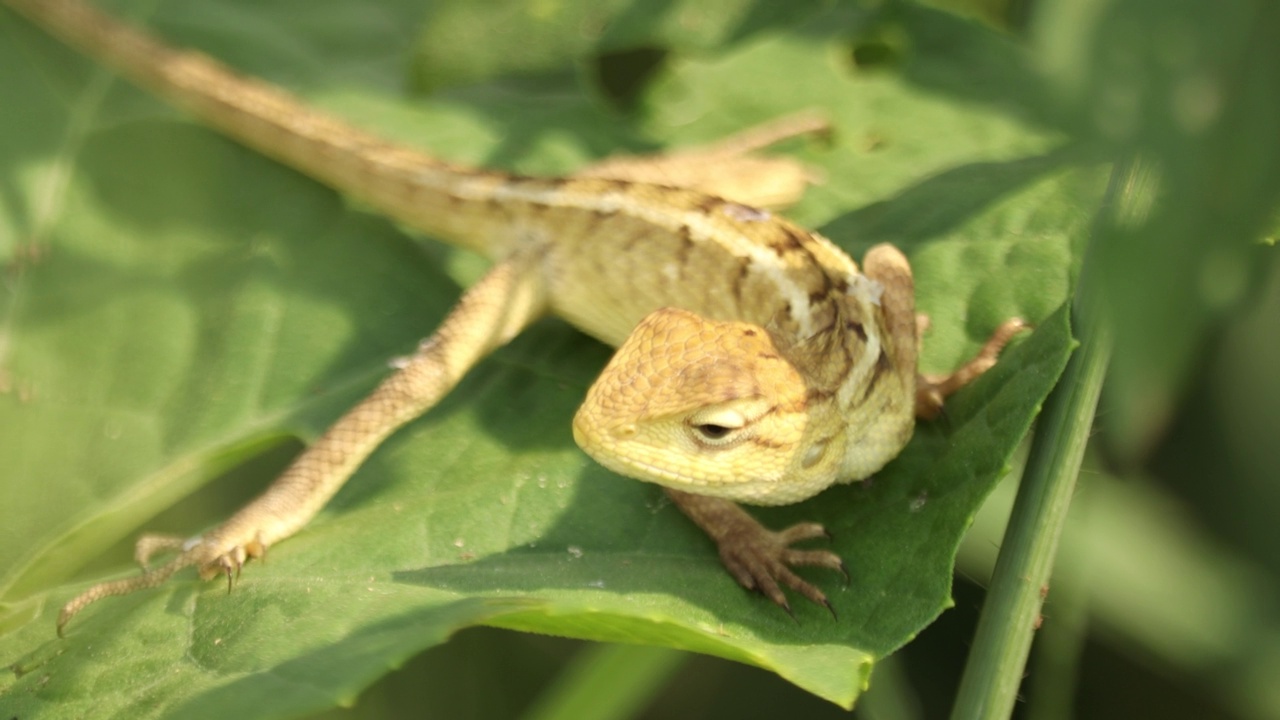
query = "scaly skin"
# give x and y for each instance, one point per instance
(756, 363)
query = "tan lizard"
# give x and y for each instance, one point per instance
(755, 362)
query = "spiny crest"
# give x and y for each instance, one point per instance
(825, 355)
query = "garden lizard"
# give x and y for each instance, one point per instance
(756, 362)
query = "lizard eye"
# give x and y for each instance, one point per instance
(717, 426)
(712, 432)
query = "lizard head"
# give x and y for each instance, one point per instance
(707, 407)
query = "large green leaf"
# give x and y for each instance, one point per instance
(174, 305)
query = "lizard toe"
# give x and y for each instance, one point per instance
(802, 531)
(148, 545)
(815, 558)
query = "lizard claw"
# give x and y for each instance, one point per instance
(230, 562)
(831, 610)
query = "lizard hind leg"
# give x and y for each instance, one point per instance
(729, 168)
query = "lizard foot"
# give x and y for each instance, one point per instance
(210, 556)
(759, 558)
(229, 562)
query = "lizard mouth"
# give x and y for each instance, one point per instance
(648, 472)
(592, 438)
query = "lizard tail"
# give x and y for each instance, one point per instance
(398, 181)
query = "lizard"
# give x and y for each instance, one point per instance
(756, 362)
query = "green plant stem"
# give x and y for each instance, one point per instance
(1020, 582)
(605, 682)
(1011, 612)
(1052, 691)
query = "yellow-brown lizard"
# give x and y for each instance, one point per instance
(755, 362)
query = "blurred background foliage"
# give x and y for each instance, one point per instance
(1164, 602)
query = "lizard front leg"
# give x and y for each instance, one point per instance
(933, 390)
(489, 314)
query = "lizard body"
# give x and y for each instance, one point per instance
(756, 362)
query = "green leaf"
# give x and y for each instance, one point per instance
(174, 306)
